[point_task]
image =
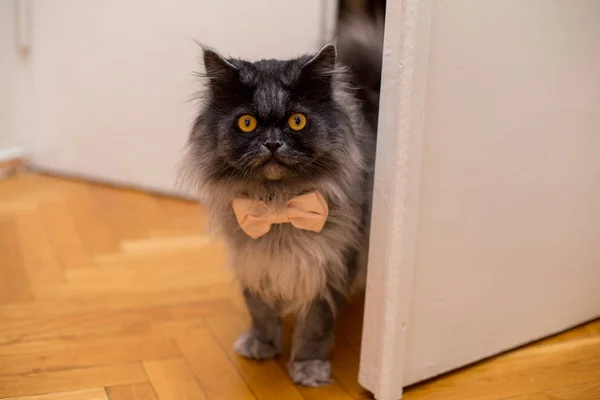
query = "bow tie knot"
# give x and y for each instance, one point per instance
(308, 211)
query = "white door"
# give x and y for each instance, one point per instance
(486, 226)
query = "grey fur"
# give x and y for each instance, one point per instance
(249, 345)
(311, 373)
(263, 340)
(288, 270)
(313, 336)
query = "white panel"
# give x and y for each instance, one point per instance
(8, 67)
(395, 203)
(15, 77)
(509, 226)
(113, 78)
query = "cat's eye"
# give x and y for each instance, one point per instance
(247, 123)
(297, 121)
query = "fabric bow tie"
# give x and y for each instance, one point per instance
(307, 212)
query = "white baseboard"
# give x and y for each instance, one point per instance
(12, 161)
(12, 153)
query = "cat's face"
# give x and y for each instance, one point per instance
(271, 120)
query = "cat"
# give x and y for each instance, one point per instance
(271, 131)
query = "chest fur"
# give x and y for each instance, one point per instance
(289, 267)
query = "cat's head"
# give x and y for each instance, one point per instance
(271, 120)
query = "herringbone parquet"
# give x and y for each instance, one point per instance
(115, 294)
(110, 293)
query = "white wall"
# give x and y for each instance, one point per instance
(493, 240)
(112, 79)
(14, 83)
(7, 26)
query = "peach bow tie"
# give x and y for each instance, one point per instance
(307, 212)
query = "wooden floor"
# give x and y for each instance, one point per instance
(115, 294)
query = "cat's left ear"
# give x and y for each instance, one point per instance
(322, 65)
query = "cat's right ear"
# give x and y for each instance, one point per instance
(321, 67)
(217, 67)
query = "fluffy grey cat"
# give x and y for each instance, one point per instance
(273, 130)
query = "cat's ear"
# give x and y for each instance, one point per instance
(322, 65)
(217, 67)
(317, 73)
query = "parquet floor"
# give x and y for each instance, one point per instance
(114, 294)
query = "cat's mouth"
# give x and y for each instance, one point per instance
(274, 170)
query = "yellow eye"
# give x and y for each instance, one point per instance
(297, 121)
(247, 123)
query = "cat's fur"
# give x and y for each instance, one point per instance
(288, 269)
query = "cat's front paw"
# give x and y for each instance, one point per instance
(249, 346)
(312, 373)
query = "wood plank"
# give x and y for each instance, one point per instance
(96, 233)
(11, 207)
(70, 380)
(64, 235)
(586, 330)
(144, 208)
(27, 345)
(107, 321)
(169, 243)
(39, 257)
(136, 278)
(206, 258)
(83, 354)
(208, 360)
(527, 371)
(131, 214)
(64, 343)
(140, 391)
(28, 188)
(586, 391)
(114, 302)
(266, 379)
(154, 256)
(184, 216)
(91, 394)
(173, 380)
(15, 286)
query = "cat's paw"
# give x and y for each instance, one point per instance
(312, 373)
(249, 346)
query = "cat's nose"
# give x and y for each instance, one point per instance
(272, 145)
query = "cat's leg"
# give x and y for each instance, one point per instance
(263, 340)
(312, 343)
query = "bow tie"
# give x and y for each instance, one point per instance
(307, 212)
